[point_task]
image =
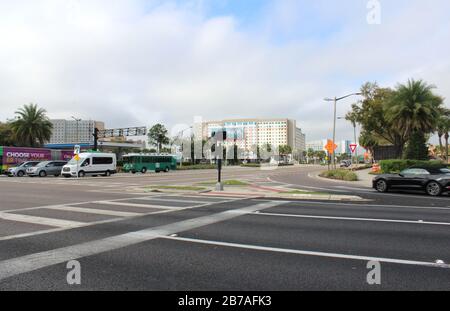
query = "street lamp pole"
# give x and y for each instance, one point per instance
(335, 100)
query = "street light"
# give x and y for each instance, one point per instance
(335, 100)
(356, 142)
(78, 135)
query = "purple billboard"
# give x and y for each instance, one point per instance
(13, 156)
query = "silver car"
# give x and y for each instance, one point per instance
(46, 168)
(21, 169)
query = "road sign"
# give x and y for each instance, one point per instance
(331, 146)
(77, 150)
(353, 147)
(77, 157)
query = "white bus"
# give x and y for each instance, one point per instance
(103, 164)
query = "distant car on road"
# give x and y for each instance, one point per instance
(434, 181)
(346, 163)
(46, 168)
(21, 170)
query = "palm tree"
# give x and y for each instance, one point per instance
(415, 107)
(442, 128)
(31, 127)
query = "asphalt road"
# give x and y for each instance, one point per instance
(129, 241)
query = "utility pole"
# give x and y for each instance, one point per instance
(335, 100)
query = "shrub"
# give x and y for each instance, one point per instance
(197, 167)
(340, 175)
(396, 166)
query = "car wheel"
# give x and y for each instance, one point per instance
(81, 174)
(434, 189)
(382, 186)
(42, 174)
(20, 174)
(144, 170)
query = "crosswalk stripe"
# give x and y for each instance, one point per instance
(95, 211)
(42, 220)
(138, 205)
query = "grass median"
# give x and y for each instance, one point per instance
(340, 174)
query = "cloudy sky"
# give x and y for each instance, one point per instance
(138, 62)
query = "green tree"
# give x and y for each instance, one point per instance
(31, 128)
(442, 129)
(417, 147)
(285, 150)
(158, 136)
(6, 135)
(414, 110)
(371, 114)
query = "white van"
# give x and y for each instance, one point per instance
(103, 164)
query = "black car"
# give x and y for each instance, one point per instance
(433, 180)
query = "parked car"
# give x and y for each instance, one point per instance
(21, 169)
(434, 181)
(46, 168)
(91, 164)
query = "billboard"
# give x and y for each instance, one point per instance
(13, 156)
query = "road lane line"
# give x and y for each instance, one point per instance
(363, 205)
(32, 262)
(95, 211)
(42, 220)
(419, 222)
(310, 253)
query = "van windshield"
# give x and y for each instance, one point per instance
(74, 162)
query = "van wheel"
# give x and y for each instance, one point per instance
(42, 174)
(20, 174)
(81, 174)
(107, 174)
(144, 170)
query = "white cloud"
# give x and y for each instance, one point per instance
(129, 64)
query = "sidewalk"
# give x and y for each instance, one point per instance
(364, 178)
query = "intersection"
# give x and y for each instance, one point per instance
(126, 239)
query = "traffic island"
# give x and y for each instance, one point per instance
(248, 190)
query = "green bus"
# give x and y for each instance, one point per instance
(143, 163)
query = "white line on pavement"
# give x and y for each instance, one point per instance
(356, 219)
(28, 263)
(95, 211)
(155, 206)
(364, 205)
(41, 220)
(310, 253)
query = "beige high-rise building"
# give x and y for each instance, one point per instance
(248, 133)
(71, 131)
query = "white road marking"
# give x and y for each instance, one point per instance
(168, 199)
(28, 263)
(154, 206)
(311, 253)
(421, 222)
(364, 205)
(95, 211)
(41, 220)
